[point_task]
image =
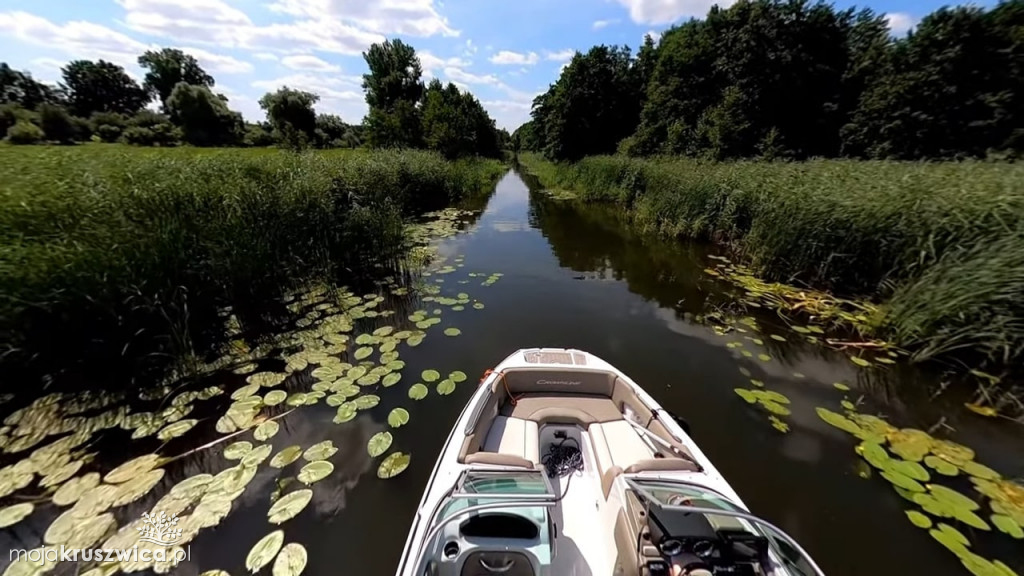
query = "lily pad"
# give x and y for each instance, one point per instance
(315, 471)
(977, 470)
(320, 451)
(952, 497)
(237, 450)
(369, 380)
(911, 469)
(245, 391)
(910, 444)
(267, 379)
(275, 397)
(840, 386)
(430, 375)
(764, 357)
(414, 340)
(457, 376)
(257, 456)
(393, 465)
(951, 538)
(902, 481)
(452, 331)
(379, 443)
(391, 379)
(918, 519)
(72, 490)
(750, 396)
(398, 417)
(346, 413)
(356, 372)
(941, 466)
(445, 387)
(286, 456)
(266, 431)
(418, 391)
(289, 506)
(132, 468)
(291, 561)
(137, 487)
(839, 421)
(1004, 524)
(264, 551)
(366, 402)
(11, 515)
(362, 353)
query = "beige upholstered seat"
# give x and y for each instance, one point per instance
(514, 436)
(563, 409)
(618, 444)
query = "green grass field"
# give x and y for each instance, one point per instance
(940, 244)
(116, 259)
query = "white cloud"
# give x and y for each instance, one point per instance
(78, 38)
(459, 75)
(560, 56)
(409, 17)
(265, 56)
(599, 24)
(668, 11)
(432, 64)
(219, 63)
(50, 68)
(516, 58)
(900, 22)
(309, 62)
(508, 114)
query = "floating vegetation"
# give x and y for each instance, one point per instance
(379, 443)
(398, 417)
(393, 465)
(315, 471)
(289, 506)
(445, 387)
(290, 561)
(418, 391)
(320, 451)
(907, 458)
(264, 551)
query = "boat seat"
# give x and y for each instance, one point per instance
(617, 445)
(515, 437)
(558, 408)
(660, 464)
(495, 459)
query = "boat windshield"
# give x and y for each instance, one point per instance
(671, 501)
(516, 488)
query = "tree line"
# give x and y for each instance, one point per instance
(99, 101)
(795, 79)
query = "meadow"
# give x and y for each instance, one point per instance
(939, 245)
(115, 261)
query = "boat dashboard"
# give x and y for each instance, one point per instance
(698, 547)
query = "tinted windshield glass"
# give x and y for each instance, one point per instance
(674, 494)
(503, 482)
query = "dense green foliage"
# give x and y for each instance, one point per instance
(100, 87)
(406, 114)
(116, 259)
(169, 67)
(794, 79)
(291, 114)
(939, 243)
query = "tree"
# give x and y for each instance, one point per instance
(21, 89)
(330, 131)
(291, 114)
(202, 116)
(393, 89)
(24, 132)
(456, 124)
(108, 125)
(593, 105)
(169, 67)
(57, 124)
(100, 87)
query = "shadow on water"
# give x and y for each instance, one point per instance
(579, 276)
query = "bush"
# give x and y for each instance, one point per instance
(109, 133)
(24, 132)
(11, 113)
(108, 125)
(56, 123)
(164, 134)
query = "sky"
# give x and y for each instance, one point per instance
(504, 51)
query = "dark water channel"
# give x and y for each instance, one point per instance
(578, 277)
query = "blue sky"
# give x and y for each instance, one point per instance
(504, 51)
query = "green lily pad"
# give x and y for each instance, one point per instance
(364, 339)
(137, 487)
(839, 421)
(941, 466)
(952, 497)
(291, 561)
(257, 456)
(874, 454)
(384, 331)
(176, 429)
(777, 337)
(266, 379)
(369, 380)
(859, 361)
(356, 372)
(320, 451)
(245, 391)
(398, 417)
(362, 353)
(275, 397)
(918, 519)
(977, 470)
(346, 413)
(315, 471)
(414, 340)
(237, 450)
(911, 469)
(391, 379)
(445, 387)
(393, 465)
(72, 490)
(951, 538)
(11, 515)
(286, 456)
(430, 375)
(452, 331)
(457, 376)
(1007, 525)
(764, 357)
(379, 443)
(418, 392)
(264, 551)
(902, 481)
(749, 396)
(366, 402)
(289, 506)
(132, 468)
(840, 386)
(910, 444)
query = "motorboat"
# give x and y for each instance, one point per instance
(560, 464)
